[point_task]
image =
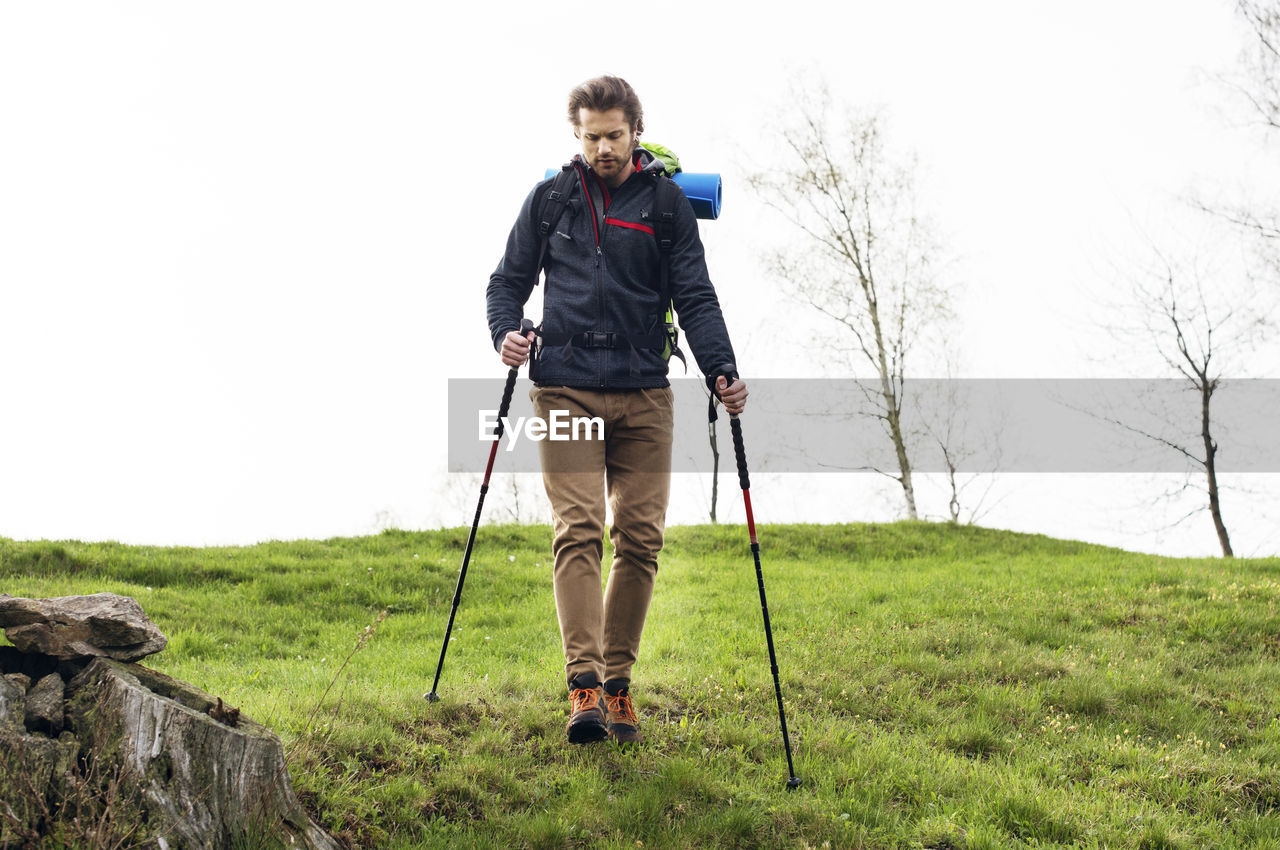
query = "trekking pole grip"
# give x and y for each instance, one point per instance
(739, 451)
(505, 407)
(730, 374)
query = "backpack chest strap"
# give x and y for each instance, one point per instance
(605, 339)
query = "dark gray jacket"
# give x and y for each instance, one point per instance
(602, 277)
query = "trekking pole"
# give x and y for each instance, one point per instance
(730, 375)
(525, 327)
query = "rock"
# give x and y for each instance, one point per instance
(12, 704)
(44, 709)
(18, 611)
(200, 782)
(22, 680)
(76, 627)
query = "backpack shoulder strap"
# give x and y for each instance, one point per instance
(550, 207)
(664, 232)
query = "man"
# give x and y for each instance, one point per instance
(602, 354)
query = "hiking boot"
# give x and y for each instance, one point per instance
(621, 714)
(586, 716)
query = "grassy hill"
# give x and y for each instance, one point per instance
(945, 686)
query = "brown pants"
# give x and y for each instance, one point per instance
(601, 630)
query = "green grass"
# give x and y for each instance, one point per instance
(946, 687)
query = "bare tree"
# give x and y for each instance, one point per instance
(953, 432)
(1202, 330)
(1261, 86)
(867, 260)
(1260, 60)
(514, 497)
(1191, 328)
(1257, 83)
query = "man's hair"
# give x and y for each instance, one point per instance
(603, 94)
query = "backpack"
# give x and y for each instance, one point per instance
(551, 206)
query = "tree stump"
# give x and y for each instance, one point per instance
(96, 751)
(200, 782)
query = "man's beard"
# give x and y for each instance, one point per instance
(620, 161)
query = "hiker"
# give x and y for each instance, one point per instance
(602, 350)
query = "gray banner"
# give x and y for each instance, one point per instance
(975, 426)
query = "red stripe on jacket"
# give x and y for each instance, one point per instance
(631, 224)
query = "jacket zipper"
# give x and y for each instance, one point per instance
(603, 355)
(603, 231)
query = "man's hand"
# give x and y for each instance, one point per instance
(515, 348)
(733, 395)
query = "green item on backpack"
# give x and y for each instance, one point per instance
(665, 155)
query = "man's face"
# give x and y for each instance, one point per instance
(607, 144)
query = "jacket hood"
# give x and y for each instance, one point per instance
(644, 161)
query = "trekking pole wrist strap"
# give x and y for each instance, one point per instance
(730, 374)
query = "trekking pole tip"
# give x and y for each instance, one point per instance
(431, 697)
(793, 783)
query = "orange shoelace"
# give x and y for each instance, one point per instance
(621, 706)
(585, 699)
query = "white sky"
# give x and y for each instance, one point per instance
(243, 246)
